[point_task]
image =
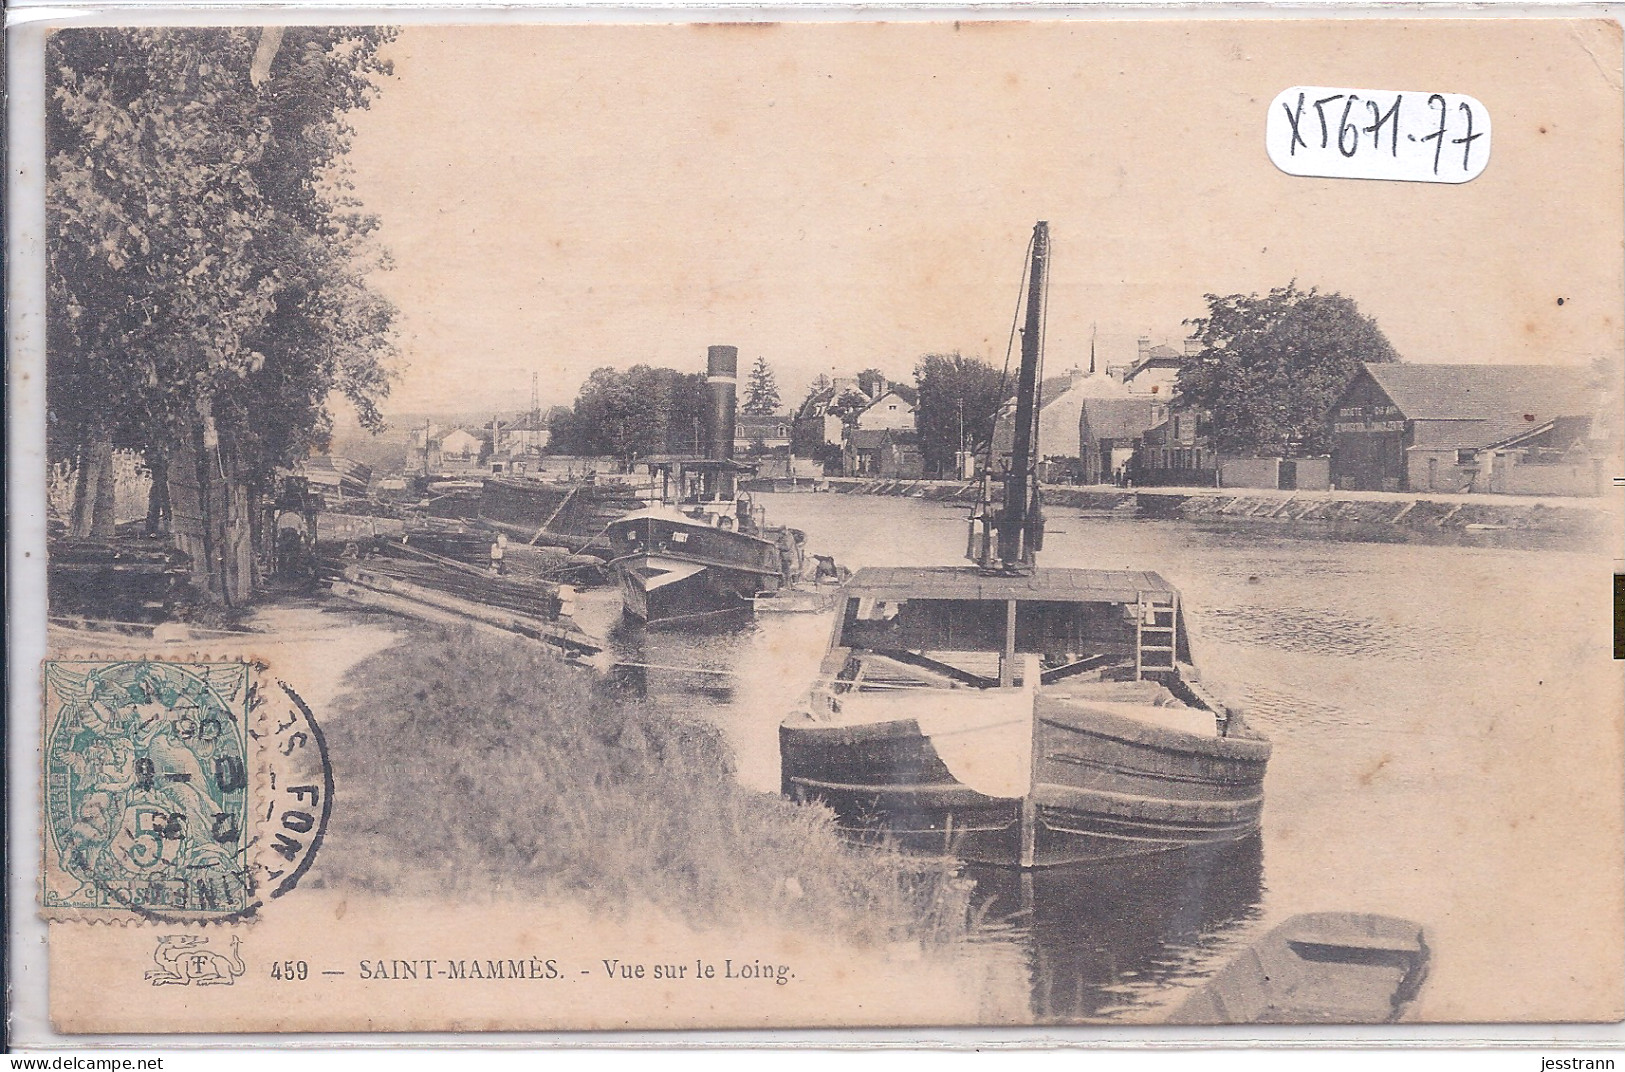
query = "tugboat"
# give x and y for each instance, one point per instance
(1011, 715)
(704, 552)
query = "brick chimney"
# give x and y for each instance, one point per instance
(1143, 346)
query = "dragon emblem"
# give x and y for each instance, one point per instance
(182, 961)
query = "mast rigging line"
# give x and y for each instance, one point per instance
(1009, 346)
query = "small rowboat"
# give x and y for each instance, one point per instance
(1319, 968)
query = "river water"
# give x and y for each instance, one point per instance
(1447, 733)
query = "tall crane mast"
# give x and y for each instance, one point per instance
(1007, 537)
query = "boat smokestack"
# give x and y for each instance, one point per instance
(721, 377)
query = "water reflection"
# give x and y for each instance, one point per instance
(1104, 940)
(1409, 690)
(1101, 942)
(676, 669)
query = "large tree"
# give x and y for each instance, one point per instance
(872, 382)
(959, 402)
(1271, 367)
(761, 390)
(636, 413)
(208, 267)
(820, 384)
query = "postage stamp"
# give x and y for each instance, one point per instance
(146, 781)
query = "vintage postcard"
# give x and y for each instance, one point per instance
(821, 524)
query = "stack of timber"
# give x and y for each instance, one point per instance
(434, 588)
(521, 560)
(129, 578)
(452, 499)
(568, 514)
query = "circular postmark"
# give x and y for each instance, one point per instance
(298, 794)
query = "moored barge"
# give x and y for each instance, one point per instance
(1007, 714)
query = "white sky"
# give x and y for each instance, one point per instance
(836, 196)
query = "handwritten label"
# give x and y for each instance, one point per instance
(1378, 134)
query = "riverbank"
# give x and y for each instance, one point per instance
(476, 769)
(1374, 516)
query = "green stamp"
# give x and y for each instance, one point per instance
(146, 786)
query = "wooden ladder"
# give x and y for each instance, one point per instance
(1155, 635)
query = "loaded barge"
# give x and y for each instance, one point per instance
(1006, 714)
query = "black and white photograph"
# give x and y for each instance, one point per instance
(1087, 522)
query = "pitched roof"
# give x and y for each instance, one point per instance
(1119, 418)
(901, 390)
(482, 434)
(1100, 385)
(1482, 392)
(1052, 387)
(1158, 356)
(868, 438)
(1493, 402)
(816, 403)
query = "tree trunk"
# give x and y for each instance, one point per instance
(104, 517)
(79, 513)
(211, 517)
(94, 498)
(158, 512)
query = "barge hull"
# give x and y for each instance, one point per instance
(669, 592)
(1147, 790)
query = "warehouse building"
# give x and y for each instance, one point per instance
(1467, 428)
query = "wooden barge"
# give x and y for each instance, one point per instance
(1006, 714)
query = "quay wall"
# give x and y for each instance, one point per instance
(1377, 517)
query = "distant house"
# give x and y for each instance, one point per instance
(1156, 368)
(816, 422)
(1452, 428)
(1175, 451)
(829, 411)
(460, 444)
(861, 456)
(458, 450)
(527, 436)
(892, 408)
(1061, 402)
(755, 433)
(1109, 429)
(884, 453)
(336, 478)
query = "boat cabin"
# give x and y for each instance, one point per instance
(696, 480)
(954, 626)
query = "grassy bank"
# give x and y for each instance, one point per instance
(472, 765)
